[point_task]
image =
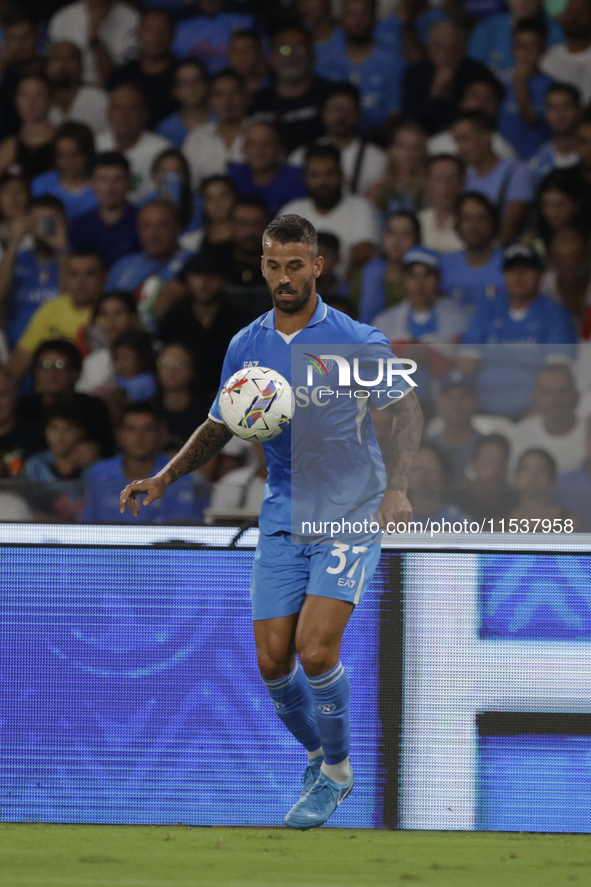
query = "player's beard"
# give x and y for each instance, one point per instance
(298, 302)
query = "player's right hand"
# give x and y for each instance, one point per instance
(154, 487)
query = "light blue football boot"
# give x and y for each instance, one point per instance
(319, 803)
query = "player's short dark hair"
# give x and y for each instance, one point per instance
(253, 200)
(324, 152)
(112, 158)
(292, 229)
(497, 440)
(478, 119)
(568, 88)
(448, 158)
(532, 25)
(543, 454)
(63, 346)
(48, 201)
(348, 89)
(485, 203)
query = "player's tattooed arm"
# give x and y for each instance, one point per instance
(404, 443)
(202, 446)
(406, 436)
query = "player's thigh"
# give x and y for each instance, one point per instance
(280, 577)
(343, 571)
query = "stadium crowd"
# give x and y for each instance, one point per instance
(441, 148)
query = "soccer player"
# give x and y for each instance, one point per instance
(304, 592)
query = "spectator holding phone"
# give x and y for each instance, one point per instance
(30, 264)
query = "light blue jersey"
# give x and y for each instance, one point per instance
(467, 285)
(378, 80)
(327, 465)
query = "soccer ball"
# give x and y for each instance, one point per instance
(257, 403)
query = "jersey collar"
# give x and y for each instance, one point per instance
(320, 313)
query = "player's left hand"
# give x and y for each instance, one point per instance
(394, 508)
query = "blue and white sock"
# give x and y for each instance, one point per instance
(294, 704)
(332, 698)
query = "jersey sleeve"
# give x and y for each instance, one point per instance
(231, 365)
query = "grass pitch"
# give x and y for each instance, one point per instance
(161, 856)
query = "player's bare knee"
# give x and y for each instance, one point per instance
(317, 659)
(271, 668)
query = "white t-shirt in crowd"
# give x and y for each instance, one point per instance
(443, 239)
(237, 494)
(371, 170)
(444, 143)
(445, 322)
(569, 67)
(89, 107)
(568, 449)
(118, 34)
(208, 154)
(140, 157)
(353, 220)
(98, 371)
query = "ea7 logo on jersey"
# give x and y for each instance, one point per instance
(250, 363)
(347, 583)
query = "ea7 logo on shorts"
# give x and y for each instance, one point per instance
(326, 708)
(250, 363)
(278, 706)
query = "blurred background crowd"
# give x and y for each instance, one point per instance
(441, 148)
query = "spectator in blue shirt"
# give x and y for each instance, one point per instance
(521, 120)
(474, 274)
(191, 90)
(491, 42)
(520, 316)
(56, 475)
(265, 172)
(376, 72)
(207, 35)
(29, 270)
(111, 227)
(140, 435)
(160, 259)
(507, 183)
(70, 180)
(562, 112)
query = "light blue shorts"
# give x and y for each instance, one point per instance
(284, 573)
